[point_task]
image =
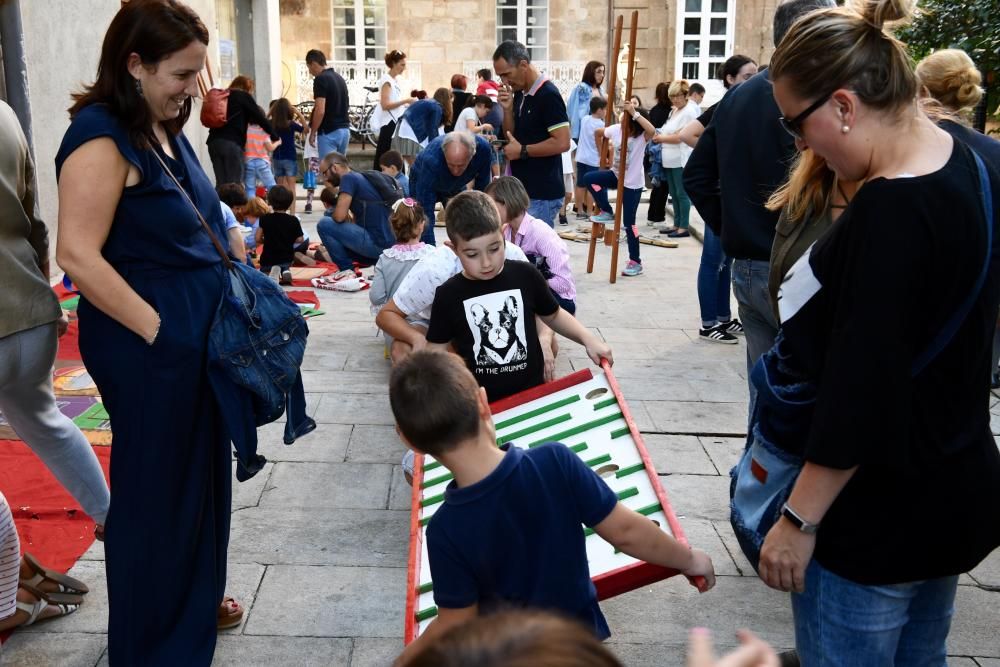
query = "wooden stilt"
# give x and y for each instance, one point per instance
(626, 133)
(596, 229)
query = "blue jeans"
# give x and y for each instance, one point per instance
(346, 242)
(258, 169)
(759, 325)
(606, 179)
(841, 623)
(713, 281)
(333, 141)
(546, 210)
(682, 203)
(285, 168)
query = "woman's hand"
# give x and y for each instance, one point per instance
(784, 557)
(62, 324)
(753, 652)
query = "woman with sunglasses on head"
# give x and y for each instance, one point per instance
(890, 316)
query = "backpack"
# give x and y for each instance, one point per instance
(215, 102)
(387, 187)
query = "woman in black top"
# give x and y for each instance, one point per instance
(226, 143)
(900, 491)
(658, 114)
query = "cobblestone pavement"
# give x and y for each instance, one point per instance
(319, 537)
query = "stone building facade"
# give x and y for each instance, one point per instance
(676, 38)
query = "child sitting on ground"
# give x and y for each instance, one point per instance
(487, 312)
(252, 212)
(545, 250)
(281, 234)
(509, 531)
(391, 163)
(233, 199)
(407, 222)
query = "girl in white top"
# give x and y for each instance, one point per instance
(471, 118)
(675, 154)
(391, 103)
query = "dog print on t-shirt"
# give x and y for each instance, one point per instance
(496, 321)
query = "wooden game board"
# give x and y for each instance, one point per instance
(586, 412)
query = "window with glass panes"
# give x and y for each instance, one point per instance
(526, 21)
(704, 39)
(358, 29)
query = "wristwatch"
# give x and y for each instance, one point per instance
(797, 521)
(524, 151)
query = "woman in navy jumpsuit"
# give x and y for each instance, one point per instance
(150, 290)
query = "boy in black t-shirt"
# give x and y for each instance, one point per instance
(487, 312)
(510, 530)
(280, 233)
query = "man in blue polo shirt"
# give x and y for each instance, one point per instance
(445, 167)
(536, 127)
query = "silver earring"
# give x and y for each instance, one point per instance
(138, 87)
(845, 129)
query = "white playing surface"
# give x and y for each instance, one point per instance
(601, 555)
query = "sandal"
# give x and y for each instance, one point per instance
(65, 583)
(64, 603)
(229, 614)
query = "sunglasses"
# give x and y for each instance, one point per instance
(793, 126)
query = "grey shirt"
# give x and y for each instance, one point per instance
(26, 299)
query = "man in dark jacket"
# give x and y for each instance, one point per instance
(742, 157)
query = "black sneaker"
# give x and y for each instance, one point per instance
(717, 334)
(733, 326)
(562, 219)
(309, 208)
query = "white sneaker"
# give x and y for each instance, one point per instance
(275, 274)
(343, 275)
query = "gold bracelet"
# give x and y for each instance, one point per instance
(156, 333)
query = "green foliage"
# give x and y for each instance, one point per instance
(970, 25)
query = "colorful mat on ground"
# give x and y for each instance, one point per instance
(586, 412)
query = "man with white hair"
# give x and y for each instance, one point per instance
(445, 168)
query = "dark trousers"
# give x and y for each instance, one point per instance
(657, 211)
(227, 161)
(384, 141)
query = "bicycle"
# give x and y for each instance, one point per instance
(360, 118)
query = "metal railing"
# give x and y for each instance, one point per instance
(564, 73)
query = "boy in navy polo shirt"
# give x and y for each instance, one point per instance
(536, 127)
(509, 532)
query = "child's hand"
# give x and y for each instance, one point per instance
(753, 652)
(701, 566)
(597, 349)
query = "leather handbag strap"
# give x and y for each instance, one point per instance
(948, 332)
(208, 230)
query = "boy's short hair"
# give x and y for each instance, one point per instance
(511, 193)
(434, 400)
(280, 198)
(696, 89)
(597, 103)
(391, 159)
(232, 194)
(469, 215)
(329, 197)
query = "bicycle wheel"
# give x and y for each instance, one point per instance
(367, 132)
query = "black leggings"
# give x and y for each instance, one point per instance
(227, 161)
(384, 141)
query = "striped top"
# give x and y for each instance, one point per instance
(541, 242)
(257, 140)
(10, 561)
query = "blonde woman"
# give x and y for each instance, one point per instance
(674, 154)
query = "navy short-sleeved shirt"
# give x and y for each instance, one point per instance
(332, 87)
(515, 538)
(368, 209)
(537, 114)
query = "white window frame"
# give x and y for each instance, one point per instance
(359, 26)
(707, 64)
(522, 25)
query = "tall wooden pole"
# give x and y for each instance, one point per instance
(623, 158)
(596, 228)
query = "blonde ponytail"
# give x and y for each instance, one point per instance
(951, 78)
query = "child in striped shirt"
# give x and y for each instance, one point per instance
(257, 159)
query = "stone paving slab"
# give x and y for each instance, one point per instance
(974, 627)
(988, 572)
(70, 649)
(724, 452)
(326, 445)
(375, 652)
(698, 417)
(374, 444)
(250, 651)
(341, 602)
(328, 485)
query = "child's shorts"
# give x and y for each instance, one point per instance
(285, 168)
(581, 171)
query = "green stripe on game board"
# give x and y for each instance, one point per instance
(433, 500)
(577, 430)
(604, 458)
(605, 403)
(432, 465)
(437, 480)
(649, 509)
(540, 426)
(629, 470)
(578, 448)
(424, 614)
(628, 493)
(588, 532)
(619, 433)
(425, 588)
(537, 411)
